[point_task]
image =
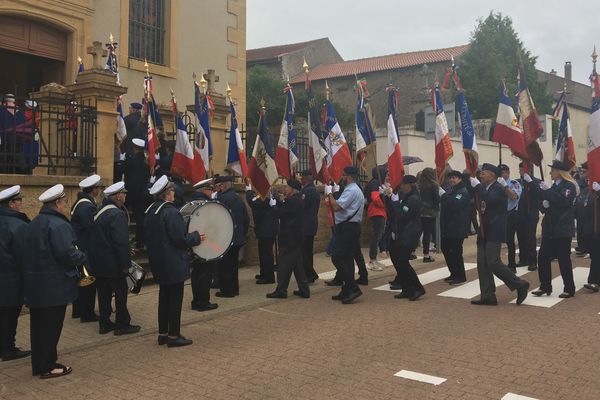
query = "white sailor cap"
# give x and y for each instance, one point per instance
(115, 188)
(9, 97)
(12, 193)
(30, 103)
(90, 181)
(138, 142)
(160, 185)
(205, 183)
(54, 193)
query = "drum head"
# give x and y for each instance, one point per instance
(215, 221)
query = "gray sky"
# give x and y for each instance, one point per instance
(377, 27)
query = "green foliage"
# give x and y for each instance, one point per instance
(494, 54)
(345, 117)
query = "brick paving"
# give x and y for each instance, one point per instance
(254, 348)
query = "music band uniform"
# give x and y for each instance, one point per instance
(137, 175)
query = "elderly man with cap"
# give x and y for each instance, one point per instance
(168, 243)
(13, 224)
(266, 227)
(82, 220)
(513, 191)
(558, 228)
(455, 221)
(529, 215)
(137, 176)
(312, 201)
(228, 265)
(492, 201)
(202, 271)
(348, 210)
(290, 212)
(110, 259)
(50, 276)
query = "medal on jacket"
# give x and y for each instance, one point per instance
(482, 207)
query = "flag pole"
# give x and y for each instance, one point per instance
(499, 153)
(595, 196)
(327, 93)
(368, 127)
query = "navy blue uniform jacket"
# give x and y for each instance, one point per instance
(455, 219)
(13, 225)
(265, 222)
(312, 201)
(493, 202)
(241, 220)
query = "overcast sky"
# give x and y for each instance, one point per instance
(555, 31)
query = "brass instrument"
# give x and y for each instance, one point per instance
(86, 279)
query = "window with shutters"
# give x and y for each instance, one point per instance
(147, 32)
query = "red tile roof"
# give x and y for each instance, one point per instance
(381, 63)
(265, 53)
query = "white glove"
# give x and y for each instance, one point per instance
(248, 188)
(381, 189)
(272, 202)
(336, 188)
(546, 204)
(596, 186)
(441, 191)
(327, 190)
(152, 179)
(527, 178)
(214, 195)
(474, 181)
(395, 197)
(502, 181)
(544, 186)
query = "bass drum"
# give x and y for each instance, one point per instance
(214, 220)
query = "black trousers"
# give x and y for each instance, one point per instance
(266, 258)
(474, 221)
(594, 275)
(307, 257)
(46, 326)
(347, 237)
(407, 277)
(452, 248)
(170, 299)
(559, 248)
(378, 225)
(85, 303)
(290, 260)
(9, 317)
(201, 278)
(138, 208)
(526, 234)
(359, 259)
(428, 227)
(228, 272)
(106, 287)
(512, 223)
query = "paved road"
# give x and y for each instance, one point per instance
(254, 348)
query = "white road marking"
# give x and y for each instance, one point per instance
(512, 396)
(429, 277)
(579, 276)
(416, 376)
(471, 289)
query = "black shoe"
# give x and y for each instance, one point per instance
(92, 318)
(395, 286)
(128, 330)
(258, 276)
(592, 286)
(312, 279)
(412, 257)
(351, 297)
(362, 281)
(540, 292)
(162, 339)
(522, 292)
(513, 269)
(15, 354)
(276, 295)
(206, 307)
(301, 294)
(104, 329)
(484, 302)
(512, 266)
(403, 295)
(532, 268)
(265, 281)
(221, 294)
(338, 296)
(428, 259)
(333, 282)
(449, 278)
(456, 281)
(566, 295)
(179, 342)
(417, 294)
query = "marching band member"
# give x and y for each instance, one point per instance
(167, 253)
(50, 276)
(312, 201)
(265, 230)
(13, 225)
(137, 175)
(110, 259)
(82, 220)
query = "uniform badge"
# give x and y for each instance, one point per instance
(516, 185)
(405, 209)
(567, 192)
(458, 196)
(303, 196)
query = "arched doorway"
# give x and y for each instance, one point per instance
(32, 54)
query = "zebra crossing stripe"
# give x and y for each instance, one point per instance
(417, 376)
(429, 277)
(471, 289)
(512, 396)
(580, 275)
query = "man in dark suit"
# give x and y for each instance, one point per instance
(528, 216)
(265, 229)
(137, 175)
(312, 201)
(492, 200)
(135, 127)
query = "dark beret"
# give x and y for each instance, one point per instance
(492, 168)
(503, 167)
(351, 170)
(294, 184)
(409, 179)
(455, 173)
(224, 178)
(559, 165)
(136, 106)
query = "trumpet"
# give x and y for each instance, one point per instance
(85, 279)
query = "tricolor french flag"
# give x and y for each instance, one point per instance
(365, 135)
(507, 130)
(565, 150)
(593, 154)
(467, 133)
(394, 154)
(443, 146)
(121, 131)
(203, 143)
(338, 154)
(317, 155)
(262, 170)
(286, 155)
(530, 122)
(236, 155)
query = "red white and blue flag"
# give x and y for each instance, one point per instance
(262, 170)
(565, 149)
(443, 146)
(530, 122)
(202, 143)
(469, 141)
(121, 131)
(186, 160)
(507, 130)
(338, 154)
(317, 155)
(286, 155)
(593, 154)
(394, 154)
(152, 116)
(365, 135)
(112, 64)
(236, 155)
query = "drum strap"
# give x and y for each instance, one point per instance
(149, 207)
(103, 209)
(159, 207)
(82, 200)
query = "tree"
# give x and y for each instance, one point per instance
(495, 53)
(261, 84)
